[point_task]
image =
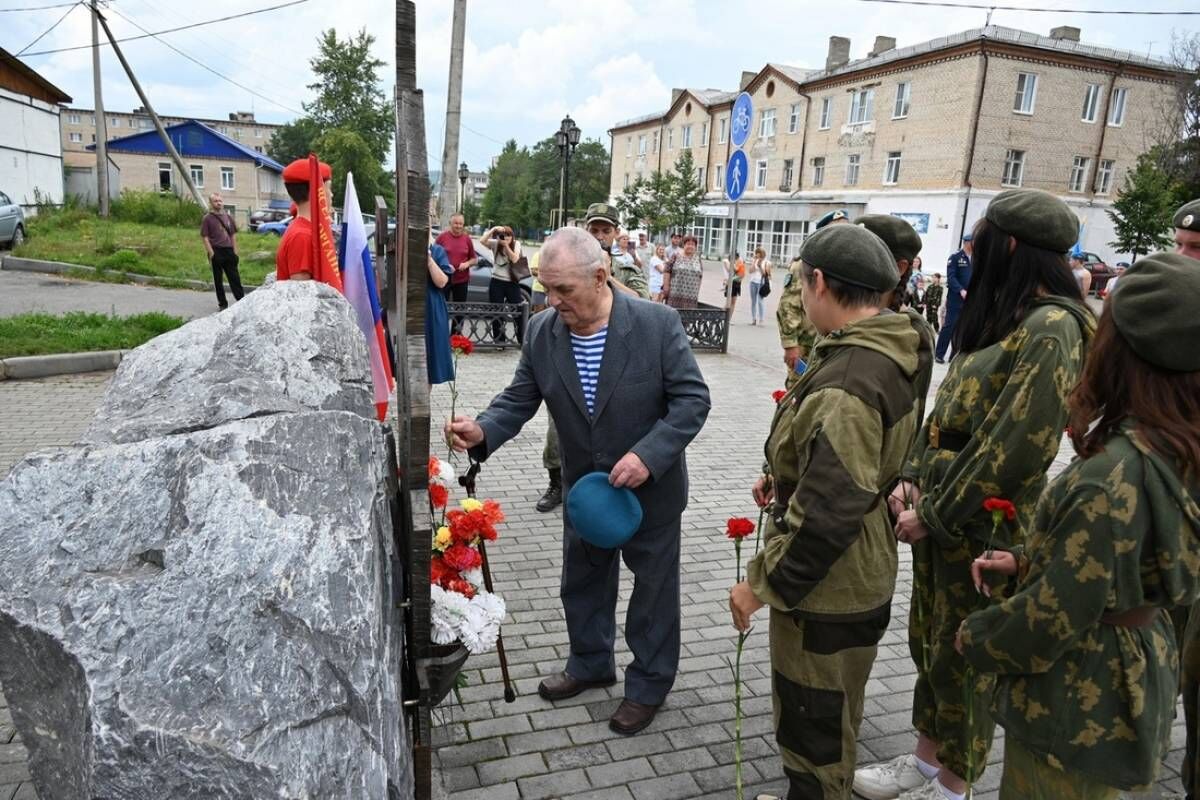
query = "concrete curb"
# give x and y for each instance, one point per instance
(16, 264)
(24, 367)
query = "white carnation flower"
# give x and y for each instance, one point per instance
(479, 633)
(492, 605)
(473, 577)
(448, 611)
(446, 472)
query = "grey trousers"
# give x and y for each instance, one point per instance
(589, 595)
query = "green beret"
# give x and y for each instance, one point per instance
(1035, 217)
(853, 255)
(603, 211)
(1156, 307)
(1188, 216)
(900, 237)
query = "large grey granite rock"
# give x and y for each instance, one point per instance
(293, 346)
(209, 614)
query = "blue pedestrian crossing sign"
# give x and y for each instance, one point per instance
(737, 175)
(741, 120)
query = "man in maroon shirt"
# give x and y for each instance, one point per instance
(219, 233)
(460, 248)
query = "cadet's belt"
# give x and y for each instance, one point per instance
(942, 439)
(1140, 617)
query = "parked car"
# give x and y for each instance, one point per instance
(12, 222)
(264, 215)
(1101, 272)
(276, 228)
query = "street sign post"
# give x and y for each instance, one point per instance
(737, 175)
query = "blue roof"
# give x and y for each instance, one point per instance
(191, 138)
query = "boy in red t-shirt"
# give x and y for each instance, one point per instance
(294, 259)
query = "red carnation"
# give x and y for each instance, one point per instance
(434, 466)
(778, 395)
(461, 557)
(739, 527)
(439, 495)
(440, 572)
(491, 510)
(461, 345)
(1000, 505)
(462, 587)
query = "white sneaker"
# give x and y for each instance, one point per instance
(889, 779)
(932, 790)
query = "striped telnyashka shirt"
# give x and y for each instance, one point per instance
(589, 350)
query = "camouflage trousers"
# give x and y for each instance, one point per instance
(1030, 777)
(1189, 681)
(819, 677)
(943, 595)
(550, 456)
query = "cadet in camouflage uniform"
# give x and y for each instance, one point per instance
(828, 565)
(994, 430)
(1085, 656)
(796, 333)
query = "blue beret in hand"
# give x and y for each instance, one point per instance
(602, 514)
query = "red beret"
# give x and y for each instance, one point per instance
(297, 171)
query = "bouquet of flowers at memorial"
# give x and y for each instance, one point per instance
(738, 528)
(462, 610)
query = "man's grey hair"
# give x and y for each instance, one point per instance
(573, 248)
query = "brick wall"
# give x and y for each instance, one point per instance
(140, 171)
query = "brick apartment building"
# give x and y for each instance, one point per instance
(79, 127)
(930, 132)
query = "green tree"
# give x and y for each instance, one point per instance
(294, 140)
(685, 192)
(470, 212)
(1141, 212)
(589, 175)
(345, 151)
(348, 93)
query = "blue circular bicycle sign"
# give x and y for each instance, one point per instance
(741, 120)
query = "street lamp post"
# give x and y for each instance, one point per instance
(463, 174)
(567, 139)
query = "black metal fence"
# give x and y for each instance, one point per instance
(707, 327)
(490, 326)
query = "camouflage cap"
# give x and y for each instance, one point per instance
(1188, 216)
(1035, 217)
(900, 237)
(853, 255)
(602, 211)
(1156, 307)
(833, 216)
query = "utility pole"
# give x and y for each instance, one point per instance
(158, 126)
(446, 184)
(101, 120)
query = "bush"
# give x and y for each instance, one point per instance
(50, 218)
(122, 260)
(106, 237)
(153, 208)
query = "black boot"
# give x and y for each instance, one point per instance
(553, 496)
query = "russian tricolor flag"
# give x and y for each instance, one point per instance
(358, 280)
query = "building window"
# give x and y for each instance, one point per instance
(903, 97)
(73, 119)
(77, 138)
(1091, 100)
(704, 135)
(1079, 171)
(766, 123)
(862, 106)
(626, 180)
(654, 143)
(165, 181)
(719, 177)
(685, 138)
(760, 174)
(670, 138)
(258, 133)
(1116, 107)
(93, 138)
(826, 112)
(700, 177)
(786, 183)
(891, 171)
(642, 145)
(227, 178)
(628, 146)
(1026, 93)
(723, 130)
(197, 172)
(1014, 168)
(794, 118)
(1104, 177)
(818, 165)
(852, 164)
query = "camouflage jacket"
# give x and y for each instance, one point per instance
(1114, 532)
(794, 327)
(630, 275)
(1009, 402)
(933, 300)
(837, 444)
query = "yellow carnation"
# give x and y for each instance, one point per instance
(442, 539)
(471, 504)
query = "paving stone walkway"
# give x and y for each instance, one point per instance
(533, 749)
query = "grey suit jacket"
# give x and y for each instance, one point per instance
(650, 399)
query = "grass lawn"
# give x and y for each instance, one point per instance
(163, 251)
(76, 332)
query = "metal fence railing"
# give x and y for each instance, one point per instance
(490, 326)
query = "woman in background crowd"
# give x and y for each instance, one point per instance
(681, 280)
(760, 268)
(658, 267)
(504, 286)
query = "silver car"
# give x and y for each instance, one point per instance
(12, 222)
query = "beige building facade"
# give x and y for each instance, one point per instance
(930, 132)
(79, 127)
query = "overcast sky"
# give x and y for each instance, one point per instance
(528, 62)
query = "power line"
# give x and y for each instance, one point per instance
(36, 8)
(200, 63)
(988, 7)
(484, 135)
(52, 27)
(149, 34)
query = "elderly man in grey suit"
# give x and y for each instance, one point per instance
(631, 415)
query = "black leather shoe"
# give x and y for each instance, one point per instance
(553, 497)
(631, 717)
(562, 686)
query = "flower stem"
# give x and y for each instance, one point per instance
(737, 713)
(758, 531)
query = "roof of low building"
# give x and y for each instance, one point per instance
(191, 138)
(708, 97)
(50, 92)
